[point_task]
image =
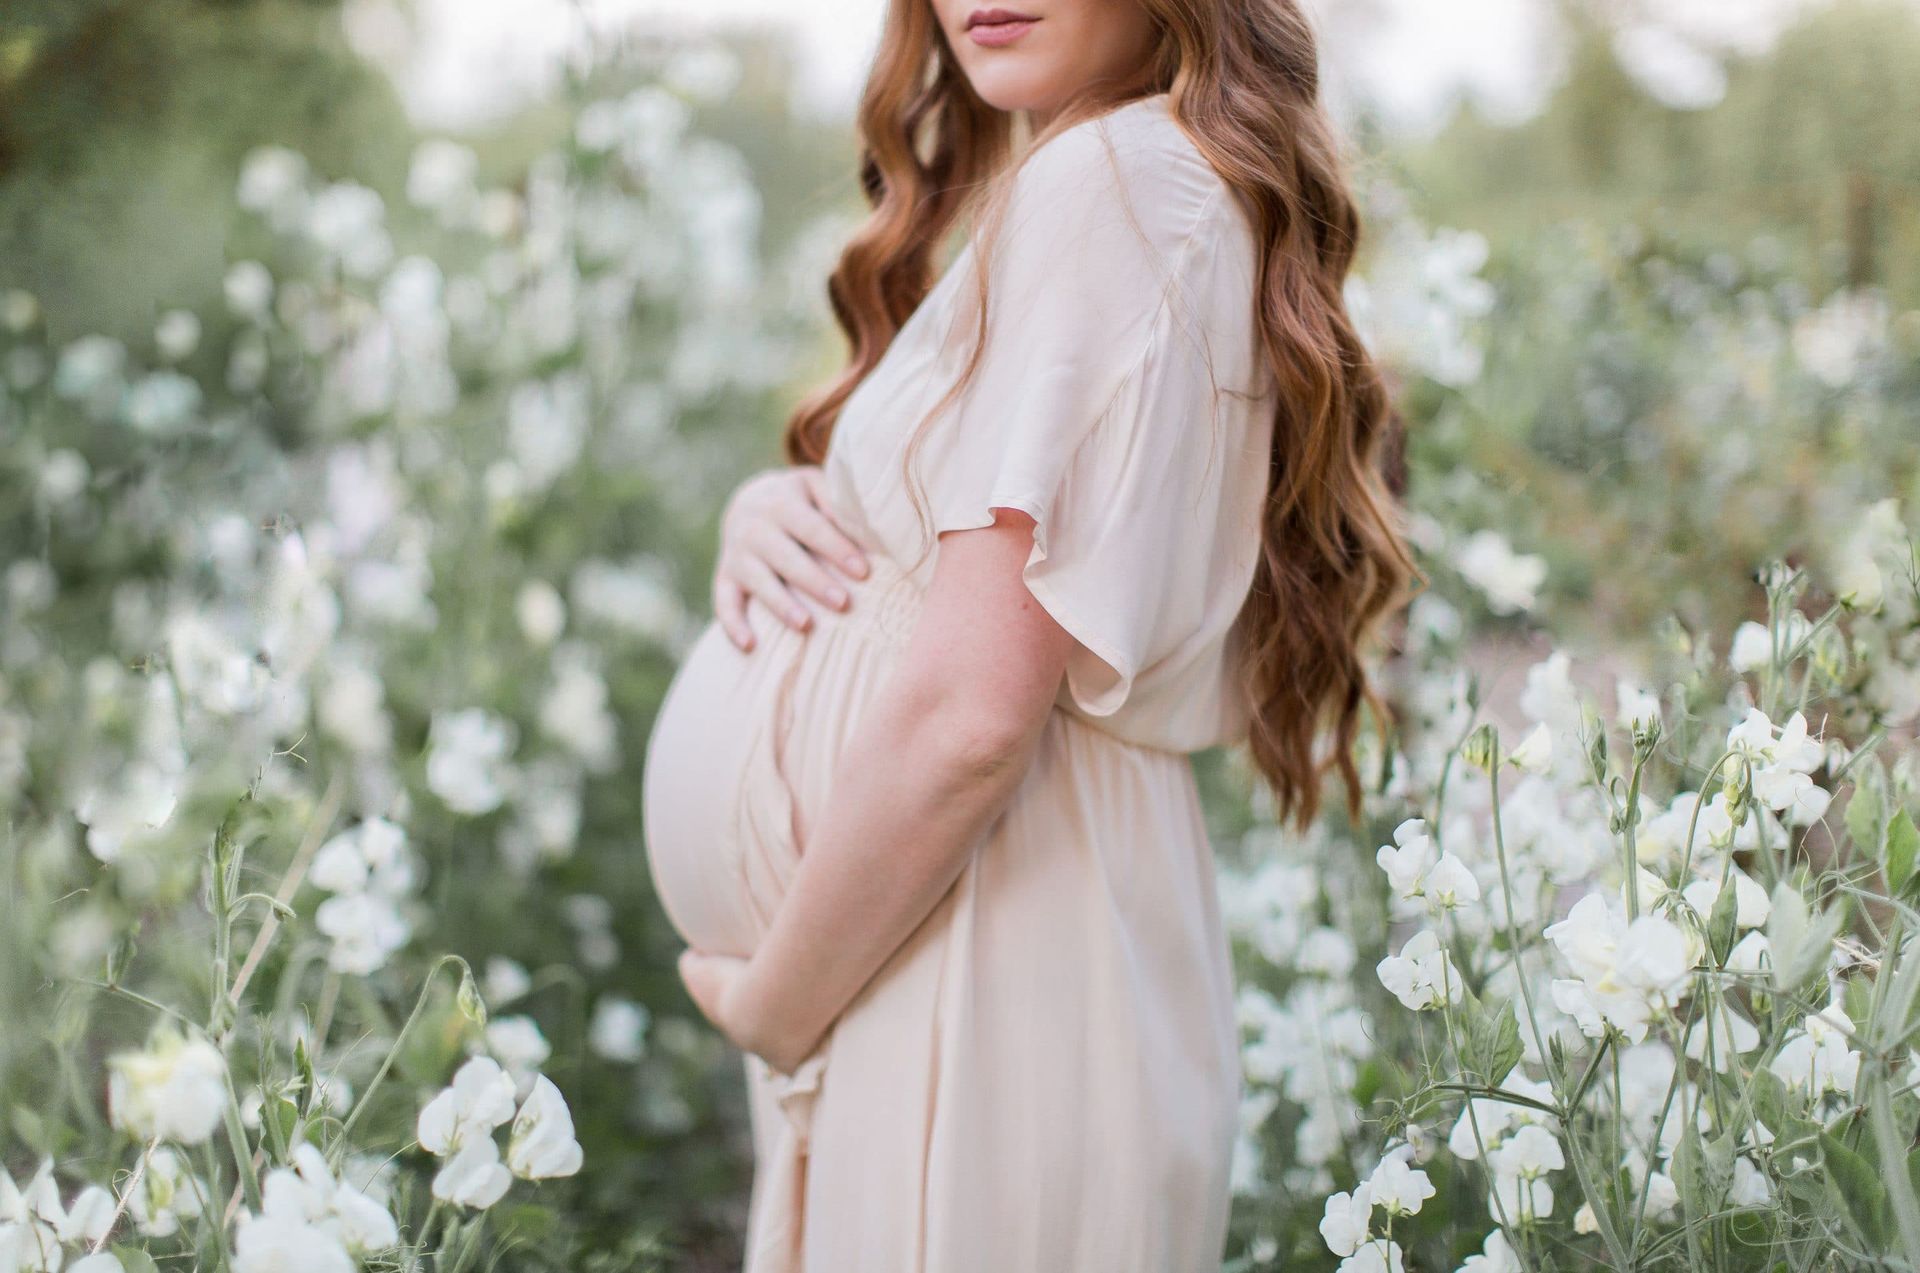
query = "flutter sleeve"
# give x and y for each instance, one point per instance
(1092, 407)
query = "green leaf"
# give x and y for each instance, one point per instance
(134, 1260)
(1799, 940)
(1491, 1045)
(1903, 848)
(1858, 1186)
(1867, 807)
(1720, 927)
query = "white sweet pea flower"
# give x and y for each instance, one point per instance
(1534, 754)
(31, 1220)
(1398, 1187)
(1421, 975)
(89, 1216)
(1407, 860)
(1816, 1058)
(99, 1262)
(1733, 1035)
(1752, 904)
(480, 1098)
(1377, 1256)
(173, 1089)
(1498, 1256)
(505, 980)
(474, 1176)
(1752, 647)
(619, 1029)
(1348, 1220)
(168, 1194)
(1750, 1186)
(1493, 1118)
(1510, 580)
(1633, 706)
(366, 929)
(1627, 972)
(129, 810)
(542, 1144)
(1749, 953)
(521, 1047)
(469, 756)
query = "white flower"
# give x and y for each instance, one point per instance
(1450, 884)
(1532, 1151)
(1421, 975)
(1525, 1199)
(1492, 1118)
(177, 334)
(366, 930)
(505, 980)
(99, 1262)
(89, 1216)
(619, 1028)
(1535, 752)
(1634, 706)
(347, 221)
(1408, 858)
(1377, 1256)
(542, 1145)
(1752, 904)
(1398, 1187)
(1348, 1220)
(1497, 1254)
(473, 1177)
(519, 1045)
(541, 612)
(248, 287)
(1873, 553)
(168, 1194)
(1750, 1185)
(1752, 647)
(1416, 870)
(128, 810)
(442, 176)
(271, 177)
(1733, 1034)
(1627, 973)
(1816, 1058)
(575, 712)
(174, 1089)
(468, 759)
(480, 1098)
(1510, 580)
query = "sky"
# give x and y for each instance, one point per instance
(461, 63)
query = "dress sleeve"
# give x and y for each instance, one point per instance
(1090, 409)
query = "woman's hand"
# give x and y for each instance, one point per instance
(718, 984)
(775, 537)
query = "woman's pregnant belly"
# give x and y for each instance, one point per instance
(742, 754)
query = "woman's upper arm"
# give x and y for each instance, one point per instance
(984, 653)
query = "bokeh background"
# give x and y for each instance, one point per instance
(372, 376)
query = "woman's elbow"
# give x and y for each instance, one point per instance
(979, 741)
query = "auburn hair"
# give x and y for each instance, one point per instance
(1242, 80)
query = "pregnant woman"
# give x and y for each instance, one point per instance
(1101, 494)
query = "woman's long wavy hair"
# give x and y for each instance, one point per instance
(1242, 80)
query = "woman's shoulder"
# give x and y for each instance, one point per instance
(1136, 154)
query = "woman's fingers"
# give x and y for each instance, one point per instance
(758, 578)
(819, 532)
(799, 568)
(730, 608)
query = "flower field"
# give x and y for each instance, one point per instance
(334, 611)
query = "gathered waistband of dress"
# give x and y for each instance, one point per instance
(886, 604)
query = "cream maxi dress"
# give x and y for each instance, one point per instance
(1044, 1078)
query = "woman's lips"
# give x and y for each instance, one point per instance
(996, 27)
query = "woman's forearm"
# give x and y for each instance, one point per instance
(914, 788)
